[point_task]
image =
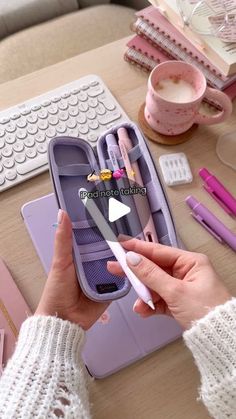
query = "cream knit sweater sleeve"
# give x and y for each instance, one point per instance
(212, 340)
(45, 378)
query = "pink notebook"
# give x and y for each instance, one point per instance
(13, 311)
(153, 26)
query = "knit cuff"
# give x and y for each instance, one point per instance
(49, 339)
(212, 340)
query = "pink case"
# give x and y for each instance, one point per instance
(13, 311)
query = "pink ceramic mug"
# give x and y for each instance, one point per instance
(172, 117)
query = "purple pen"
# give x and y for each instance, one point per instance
(211, 223)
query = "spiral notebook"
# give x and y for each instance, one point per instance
(145, 56)
(158, 31)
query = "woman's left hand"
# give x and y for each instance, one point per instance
(62, 295)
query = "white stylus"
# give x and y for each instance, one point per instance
(115, 247)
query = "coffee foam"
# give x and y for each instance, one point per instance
(175, 89)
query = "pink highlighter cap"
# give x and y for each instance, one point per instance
(191, 201)
(204, 173)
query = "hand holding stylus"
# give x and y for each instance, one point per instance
(184, 284)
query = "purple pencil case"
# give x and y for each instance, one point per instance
(71, 161)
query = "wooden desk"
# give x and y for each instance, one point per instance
(165, 384)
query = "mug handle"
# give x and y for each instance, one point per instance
(223, 100)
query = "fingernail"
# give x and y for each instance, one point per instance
(135, 306)
(133, 258)
(123, 237)
(59, 216)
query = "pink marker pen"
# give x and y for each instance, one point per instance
(218, 191)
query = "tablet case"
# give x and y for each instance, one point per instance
(71, 160)
(13, 311)
(120, 337)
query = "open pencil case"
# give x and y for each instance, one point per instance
(71, 161)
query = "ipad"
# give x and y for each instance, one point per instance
(120, 337)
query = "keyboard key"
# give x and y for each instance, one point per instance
(4, 120)
(1, 168)
(83, 129)
(81, 118)
(82, 96)
(93, 124)
(10, 127)
(100, 109)
(84, 87)
(63, 115)
(51, 132)
(8, 163)
(21, 134)
(108, 104)
(53, 120)
(42, 113)
(73, 100)
(10, 139)
(92, 137)
(83, 107)
(15, 116)
(53, 109)
(32, 118)
(75, 91)
(42, 148)
(92, 102)
(33, 129)
(25, 111)
(2, 180)
(109, 117)
(63, 105)
(22, 123)
(2, 132)
(18, 147)
(33, 164)
(95, 91)
(46, 103)
(36, 107)
(93, 83)
(40, 137)
(71, 123)
(73, 132)
(20, 158)
(73, 111)
(56, 99)
(29, 142)
(43, 124)
(65, 95)
(7, 151)
(61, 128)
(2, 143)
(91, 114)
(31, 153)
(10, 174)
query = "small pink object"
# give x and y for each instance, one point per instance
(174, 114)
(118, 174)
(218, 191)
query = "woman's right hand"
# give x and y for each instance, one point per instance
(184, 284)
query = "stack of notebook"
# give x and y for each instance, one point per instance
(158, 40)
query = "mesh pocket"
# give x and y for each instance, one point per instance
(96, 273)
(88, 235)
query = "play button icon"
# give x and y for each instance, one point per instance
(117, 210)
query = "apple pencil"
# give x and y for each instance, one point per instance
(134, 175)
(115, 247)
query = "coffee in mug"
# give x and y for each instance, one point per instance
(175, 92)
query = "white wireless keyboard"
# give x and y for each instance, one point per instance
(84, 108)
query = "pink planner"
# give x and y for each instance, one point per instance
(154, 27)
(13, 311)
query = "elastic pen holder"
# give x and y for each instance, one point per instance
(71, 160)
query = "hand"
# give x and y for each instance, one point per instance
(183, 284)
(62, 295)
